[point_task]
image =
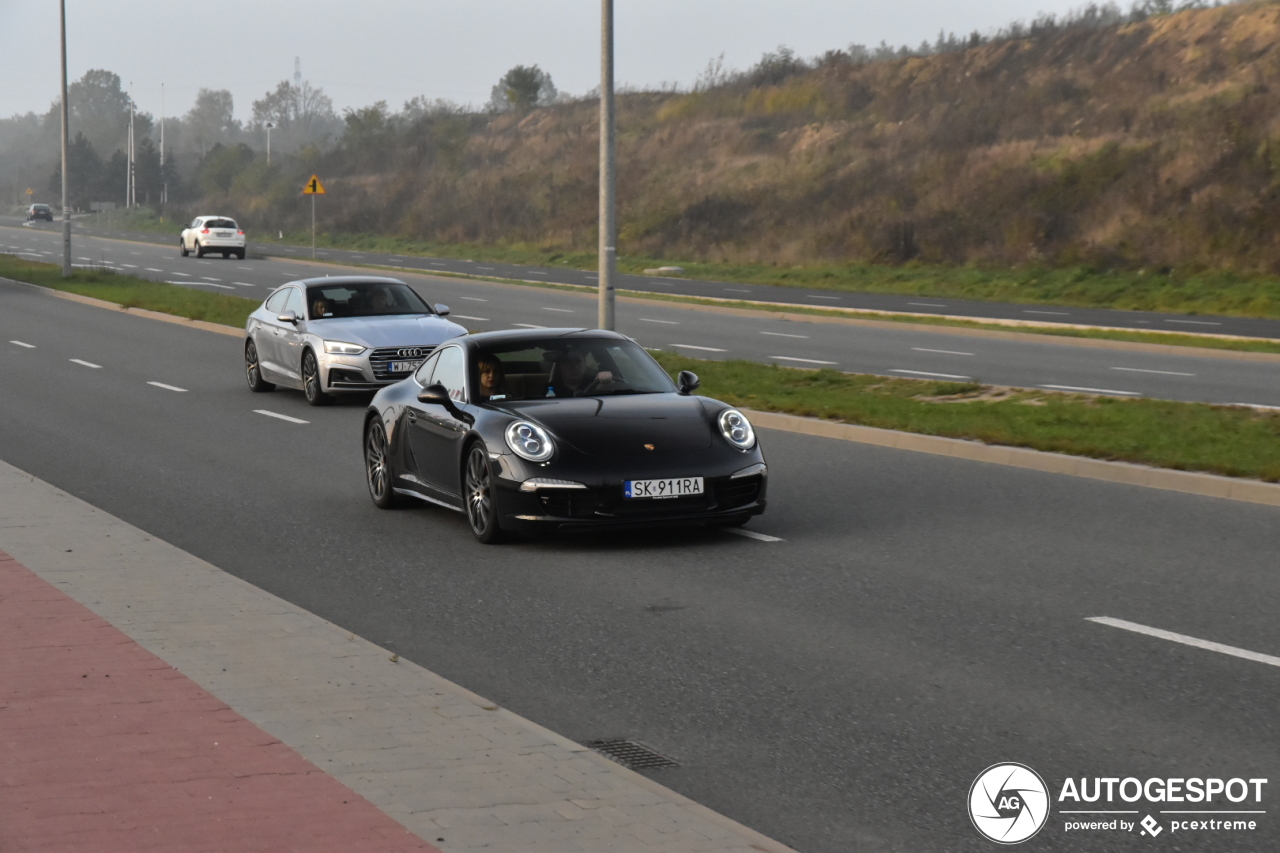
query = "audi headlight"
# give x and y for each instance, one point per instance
(342, 348)
(736, 429)
(529, 441)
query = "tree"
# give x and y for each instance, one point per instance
(98, 108)
(146, 172)
(522, 88)
(291, 105)
(212, 118)
(85, 171)
(220, 166)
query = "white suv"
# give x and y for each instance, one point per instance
(208, 234)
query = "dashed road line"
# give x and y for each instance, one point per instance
(183, 274)
(703, 349)
(736, 290)
(784, 335)
(467, 317)
(1185, 640)
(1194, 322)
(473, 298)
(85, 363)
(168, 387)
(943, 351)
(244, 284)
(935, 375)
(528, 326)
(928, 304)
(209, 278)
(21, 344)
(1092, 390)
(280, 416)
(664, 322)
(559, 310)
(152, 269)
(1161, 372)
(811, 296)
(1049, 313)
(802, 360)
(751, 534)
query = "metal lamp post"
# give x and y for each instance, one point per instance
(608, 149)
(66, 209)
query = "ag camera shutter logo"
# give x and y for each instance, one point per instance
(1008, 803)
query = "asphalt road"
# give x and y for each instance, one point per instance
(921, 618)
(906, 351)
(816, 298)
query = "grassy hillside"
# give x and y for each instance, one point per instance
(1151, 145)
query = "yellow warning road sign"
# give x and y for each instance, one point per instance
(313, 187)
(30, 191)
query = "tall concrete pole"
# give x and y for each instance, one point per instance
(608, 170)
(66, 209)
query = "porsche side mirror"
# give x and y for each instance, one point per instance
(288, 317)
(687, 382)
(434, 394)
(442, 309)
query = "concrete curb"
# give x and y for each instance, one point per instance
(1189, 482)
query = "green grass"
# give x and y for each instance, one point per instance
(1225, 440)
(133, 292)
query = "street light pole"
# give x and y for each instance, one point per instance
(608, 149)
(66, 210)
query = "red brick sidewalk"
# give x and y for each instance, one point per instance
(104, 747)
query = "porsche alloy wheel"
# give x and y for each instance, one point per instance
(377, 466)
(482, 513)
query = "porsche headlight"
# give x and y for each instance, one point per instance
(342, 348)
(529, 441)
(736, 429)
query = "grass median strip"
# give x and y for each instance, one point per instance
(133, 292)
(1232, 441)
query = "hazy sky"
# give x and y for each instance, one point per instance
(362, 51)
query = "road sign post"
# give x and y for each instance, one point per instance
(313, 189)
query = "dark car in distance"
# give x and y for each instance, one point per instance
(39, 211)
(527, 431)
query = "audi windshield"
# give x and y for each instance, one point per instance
(375, 299)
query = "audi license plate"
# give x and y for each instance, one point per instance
(672, 488)
(404, 366)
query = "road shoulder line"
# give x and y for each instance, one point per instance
(1189, 482)
(431, 754)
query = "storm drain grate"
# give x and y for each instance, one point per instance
(628, 753)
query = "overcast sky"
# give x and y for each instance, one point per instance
(362, 51)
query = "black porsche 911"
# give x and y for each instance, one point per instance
(527, 431)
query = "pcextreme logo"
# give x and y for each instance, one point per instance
(1008, 803)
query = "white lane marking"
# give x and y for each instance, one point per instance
(1185, 640)
(535, 272)
(784, 335)
(1050, 313)
(466, 317)
(489, 269)
(135, 253)
(560, 310)
(1161, 372)
(1092, 390)
(928, 304)
(206, 263)
(936, 375)
(130, 266)
(201, 284)
(751, 534)
(84, 259)
(943, 351)
(527, 326)
(245, 268)
(183, 274)
(1242, 405)
(810, 296)
(86, 363)
(801, 360)
(280, 416)
(664, 322)
(208, 278)
(168, 387)
(736, 290)
(1194, 322)
(473, 298)
(152, 269)
(703, 349)
(289, 274)
(21, 344)
(592, 276)
(244, 284)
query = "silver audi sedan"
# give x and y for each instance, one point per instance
(345, 334)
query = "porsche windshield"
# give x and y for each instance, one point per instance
(372, 299)
(559, 367)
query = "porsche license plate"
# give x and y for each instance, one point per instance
(404, 366)
(670, 488)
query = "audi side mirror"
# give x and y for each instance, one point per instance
(436, 393)
(687, 382)
(442, 310)
(288, 317)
